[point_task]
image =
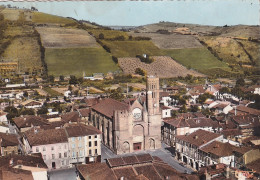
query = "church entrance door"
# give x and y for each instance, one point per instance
(137, 146)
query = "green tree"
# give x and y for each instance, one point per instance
(117, 94)
(51, 78)
(42, 110)
(61, 78)
(101, 36)
(25, 94)
(73, 79)
(240, 82)
(26, 111)
(203, 97)
(140, 71)
(224, 90)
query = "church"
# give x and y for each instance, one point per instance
(131, 125)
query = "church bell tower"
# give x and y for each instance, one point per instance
(152, 88)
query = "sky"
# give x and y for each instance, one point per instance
(136, 13)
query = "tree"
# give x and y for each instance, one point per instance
(194, 108)
(73, 79)
(240, 82)
(80, 80)
(26, 111)
(61, 78)
(25, 94)
(42, 110)
(117, 94)
(203, 97)
(183, 109)
(140, 71)
(224, 90)
(51, 78)
(101, 36)
(36, 93)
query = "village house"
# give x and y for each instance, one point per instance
(173, 127)
(29, 167)
(129, 127)
(84, 144)
(3, 118)
(248, 125)
(33, 105)
(188, 147)
(9, 144)
(140, 166)
(52, 144)
(26, 122)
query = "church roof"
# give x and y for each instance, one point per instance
(107, 107)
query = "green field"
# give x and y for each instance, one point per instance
(52, 92)
(132, 48)
(108, 34)
(75, 61)
(39, 17)
(199, 59)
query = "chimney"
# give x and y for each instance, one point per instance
(35, 130)
(11, 162)
(227, 172)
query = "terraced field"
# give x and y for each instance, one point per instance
(171, 41)
(108, 34)
(199, 59)
(65, 38)
(163, 66)
(132, 48)
(75, 61)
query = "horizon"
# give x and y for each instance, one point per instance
(139, 13)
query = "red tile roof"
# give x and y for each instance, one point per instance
(9, 139)
(77, 130)
(199, 137)
(29, 121)
(50, 136)
(26, 160)
(84, 112)
(231, 132)
(107, 107)
(70, 117)
(219, 149)
(148, 168)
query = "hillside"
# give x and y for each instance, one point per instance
(48, 44)
(163, 67)
(234, 49)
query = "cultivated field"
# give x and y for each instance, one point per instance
(65, 38)
(75, 61)
(163, 66)
(132, 48)
(199, 59)
(171, 41)
(39, 17)
(27, 51)
(108, 34)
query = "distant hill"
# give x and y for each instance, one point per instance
(48, 44)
